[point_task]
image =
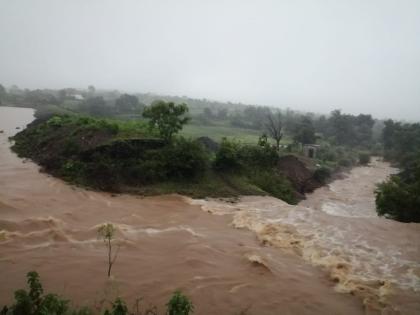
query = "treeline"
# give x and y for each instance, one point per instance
(337, 128)
(399, 197)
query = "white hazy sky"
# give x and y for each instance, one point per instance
(315, 55)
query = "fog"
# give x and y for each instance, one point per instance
(357, 55)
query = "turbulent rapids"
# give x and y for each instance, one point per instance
(330, 254)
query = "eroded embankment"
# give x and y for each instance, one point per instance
(165, 244)
(337, 228)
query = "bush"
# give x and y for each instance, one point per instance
(322, 174)
(184, 159)
(34, 302)
(345, 163)
(261, 157)
(228, 156)
(232, 156)
(274, 184)
(327, 153)
(398, 201)
(364, 158)
(179, 304)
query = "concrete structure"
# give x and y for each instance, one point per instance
(309, 150)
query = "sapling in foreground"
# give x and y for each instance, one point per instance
(107, 233)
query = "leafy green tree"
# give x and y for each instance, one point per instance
(40, 97)
(95, 106)
(399, 197)
(128, 104)
(399, 200)
(305, 132)
(363, 125)
(167, 117)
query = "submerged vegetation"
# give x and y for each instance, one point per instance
(35, 302)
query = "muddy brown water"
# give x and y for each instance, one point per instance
(330, 254)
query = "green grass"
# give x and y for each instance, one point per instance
(217, 132)
(210, 185)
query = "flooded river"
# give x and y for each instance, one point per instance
(330, 254)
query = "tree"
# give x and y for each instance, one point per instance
(40, 97)
(388, 134)
(274, 128)
(222, 113)
(167, 117)
(128, 103)
(305, 132)
(95, 106)
(3, 93)
(208, 113)
(91, 90)
(62, 94)
(107, 233)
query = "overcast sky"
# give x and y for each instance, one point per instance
(315, 55)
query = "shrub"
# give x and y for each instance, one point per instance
(102, 174)
(55, 121)
(364, 158)
(274, 184)
(34, 302)
(145, 172)
(228, 156)
(398, 200)
(179, 304)
(327, 153)
(118, 308)
(184, 159)
(232, 156)
(262, 157)
(322, 174)
(345, 163)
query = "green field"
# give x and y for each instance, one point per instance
(217, 132)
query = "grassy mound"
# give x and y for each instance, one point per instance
(125, 156)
